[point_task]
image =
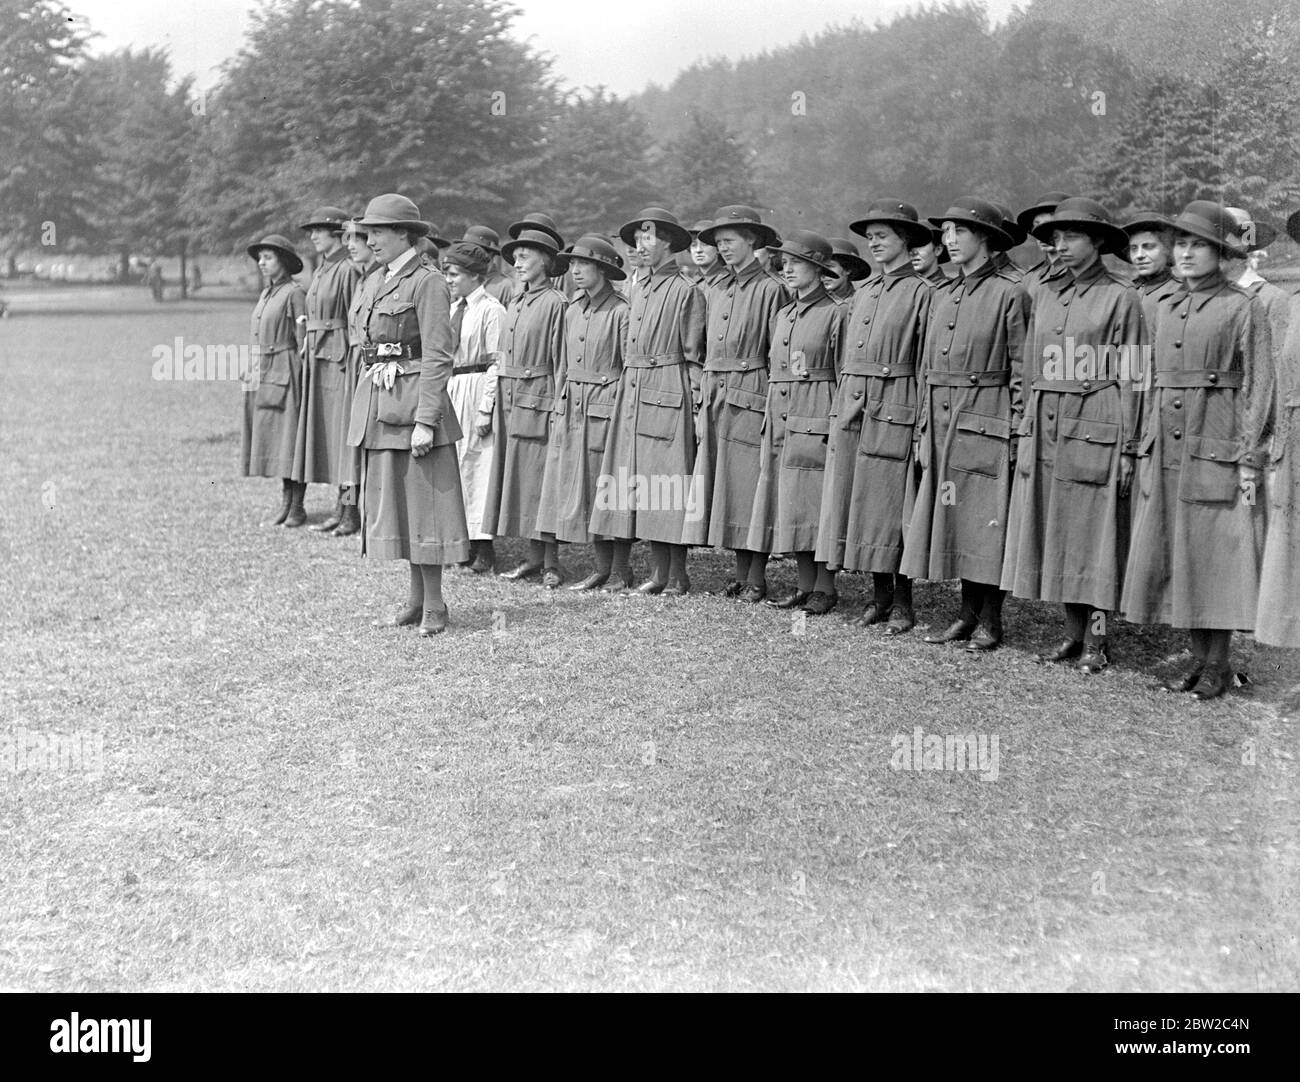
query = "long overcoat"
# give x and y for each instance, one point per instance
(1197, 537)
(372, 275)
(273, 389)
(1277, 622)
(327, 399)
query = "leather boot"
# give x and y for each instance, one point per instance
(350, 523)
(877, 612)
(961, 628)
(336, 516)
(286, 499)
(1213, 681)
(901, 617)
(989, 634)
(297, 513)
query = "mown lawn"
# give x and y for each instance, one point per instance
(563, 792)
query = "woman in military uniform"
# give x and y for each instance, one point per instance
(803, 363)
(849, 268)
(595, 330)
(971, 402)
(326, 407)
(1198, 526)
(1068, 523)
(273, 397)
(532, 339)
(402, 416)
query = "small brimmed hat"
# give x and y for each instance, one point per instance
(395, 212)
(331, 218)
(1010, 226)
(466, 254)
(809, 246)
(1210, 221)
(699, 227)
(679, 238)
(596, 249)
(1293, 226)
(901, 216)
(846, 254)
(1088, 216)
(741, 217)
(281, 246)
(1044, 204)
(986, 217)
(531, 238)
(936, 238)
(486, 238)
(1148, 221)
(353, 226)
(1255, 234)
(536, 222)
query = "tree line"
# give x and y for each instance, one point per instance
(333, 101)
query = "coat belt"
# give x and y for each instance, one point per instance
(514, 371)
(326, 324)
(735, 364)
(812, 375)
(1073, 386)
(1198, 377)
(884, 371)
(269, 351)
(578, 374)
(993, 377)
(653, 360)
(466, 369)
(391, 351)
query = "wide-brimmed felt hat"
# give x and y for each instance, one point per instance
(936, 238)
(679, 238)
(537, 222)
(281, 246)
(395, 212)
(986, 217)
(485, 237)
(901, 216)
(1010, 226)
(596, 249)
(846, 254)
(1148, 221)
(1255, 234)
(1088, 216)
(1210, 221)
(531, 238)
(1044, 204)
(1293, 226)
(699, 227)
(332, 218)
(466, 254)
(808, 246)
(736, 216)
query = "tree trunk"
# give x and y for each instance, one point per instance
(123, 266)
(185, 274)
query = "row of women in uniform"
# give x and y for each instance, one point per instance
(971, 427)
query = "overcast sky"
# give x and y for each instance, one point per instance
(623, 44)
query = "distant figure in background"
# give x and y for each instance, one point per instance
(851, 269)
(927, 260)
(273, 392)
(1050, 272)
(196, 278)
(1255, 239)
(153, 278)
(1150, 250)
(707, 268)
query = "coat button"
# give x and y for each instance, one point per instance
(1178, 403)
(884, 369)
(783, 416)
(944, 404)
(782, 390)
(889, 417)
(724, 315)
(1213, 377)
(785, 341)
(1087, 437)
(744, 364)
(1051, 416)
(1086, 385)
(1177, 433)
(1065, 304)
(581, 338)
(861, 344)
(857, 394)
(1178, 345)
(951, 325)
(974, 378)
(1060, 330)
(944, 351)
(867, 320)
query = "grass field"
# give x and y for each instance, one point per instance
(563, 792)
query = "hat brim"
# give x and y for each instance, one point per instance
(334, 227)
(1148, 225)
(612, 273)
(518, 227)
(679, 237)
(767, 236)
(915, 233)
(1025, 219)
(291, 260)
(508, 249)
(999, 239)
(855, 267)
(422, 229)
(1195, 229)
(1293, 226)
(1114, 239)
(822, 265)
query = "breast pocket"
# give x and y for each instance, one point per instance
(396, 405)
(744, 415)
(273, 382)
(395, 319)
(658, 413)
(980, 444)
(887, 430)
(1209, 471)
(805, 443)
(598, 415)
(530, 418)
(1086, 451)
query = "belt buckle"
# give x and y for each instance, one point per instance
(388, 349)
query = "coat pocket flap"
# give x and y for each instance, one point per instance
(671, 399)
(390, 306)
(999, 427)
(893, 413)
(600, 409)
(813, 426)
(1217, 450)
(746, 400)
(543, 402)
(1080, 428)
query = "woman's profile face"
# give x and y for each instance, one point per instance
(387, 243)
(270, 264)
(530, 265)
(359, 252)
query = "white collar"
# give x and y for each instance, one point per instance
(397, 265)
